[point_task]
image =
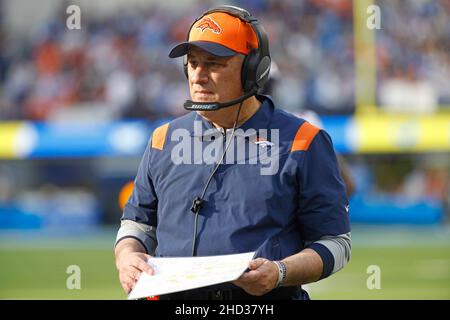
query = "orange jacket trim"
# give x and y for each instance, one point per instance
(159, 137)
(305, 135)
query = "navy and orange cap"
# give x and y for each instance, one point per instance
(220, 34)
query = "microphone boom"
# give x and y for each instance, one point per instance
(211, 106)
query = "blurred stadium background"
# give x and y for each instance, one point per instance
(77, 107)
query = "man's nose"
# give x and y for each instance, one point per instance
(199, 74)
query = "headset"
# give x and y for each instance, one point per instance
(255, 68)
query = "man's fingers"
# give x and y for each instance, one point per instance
(127, 284)
(251, 276)
(130, 269)
(143, 266)
(127, 287)
(129, 277)
(255, 264)
(135, 274)
(140, 263)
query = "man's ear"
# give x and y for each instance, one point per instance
(185, 65)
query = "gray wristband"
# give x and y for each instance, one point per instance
(281, 273)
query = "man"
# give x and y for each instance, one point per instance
(287, 201)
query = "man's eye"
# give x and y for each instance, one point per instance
(212, 64)
(193, 63)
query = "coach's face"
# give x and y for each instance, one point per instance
(213, 78)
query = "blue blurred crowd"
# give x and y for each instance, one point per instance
(117, 66)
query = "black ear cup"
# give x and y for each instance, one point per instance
(262, 72)
(248, 71)
(255, 71)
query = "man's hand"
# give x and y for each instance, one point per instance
(130, 266)
(261, 278)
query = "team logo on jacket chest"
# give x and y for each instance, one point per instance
(247, 147)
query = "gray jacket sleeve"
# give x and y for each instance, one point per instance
(339, 247)
(144, 233)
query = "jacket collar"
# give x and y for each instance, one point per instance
(260, 120)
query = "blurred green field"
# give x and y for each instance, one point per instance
(409, 270)
(41, 274)
(406, 273)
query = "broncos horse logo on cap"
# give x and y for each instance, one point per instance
(208, 23)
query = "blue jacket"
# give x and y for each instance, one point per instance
(301, 200)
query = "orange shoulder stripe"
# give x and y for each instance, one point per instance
(305, 135)
(159, 137)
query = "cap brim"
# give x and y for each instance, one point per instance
(211, 47)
